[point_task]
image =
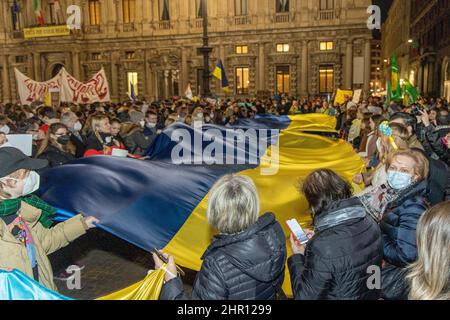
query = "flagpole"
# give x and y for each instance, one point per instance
(205, 51)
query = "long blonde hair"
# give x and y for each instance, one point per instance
(95, 124)
(429, 277)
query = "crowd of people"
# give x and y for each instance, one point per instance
(399, 223)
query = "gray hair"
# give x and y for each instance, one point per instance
(66, 117)
(233, 204)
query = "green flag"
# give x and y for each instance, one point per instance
(396, 88)
(411, 92)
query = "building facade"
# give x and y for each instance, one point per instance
(395, 36)
(418, 31)
(294, 46)
(376, 83)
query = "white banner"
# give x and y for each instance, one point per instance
(30, 90)
(71, 90)
(357, 96)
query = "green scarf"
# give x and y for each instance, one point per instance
(10, 207)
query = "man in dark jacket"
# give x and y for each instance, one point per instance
(336, 263)
(244, 266)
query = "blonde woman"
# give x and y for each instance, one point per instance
(378, 176)
(245, 261)
(429, 276)
(100, 140)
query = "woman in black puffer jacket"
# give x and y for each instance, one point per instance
(246, 261)
(344, 249)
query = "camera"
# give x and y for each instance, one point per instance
(417, 110)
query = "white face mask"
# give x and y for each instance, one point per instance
(77, 126)
(5, 129)
(32, 183)
(151, 125)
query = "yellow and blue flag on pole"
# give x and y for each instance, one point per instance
(219, 73)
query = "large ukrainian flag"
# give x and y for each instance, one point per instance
(158, 204)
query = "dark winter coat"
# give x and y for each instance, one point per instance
(55, 156)
(337, 260)
(399, 224)
(245, 266)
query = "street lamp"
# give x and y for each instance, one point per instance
(205, 51)
(410, 41)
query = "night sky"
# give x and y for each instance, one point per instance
(384, 5)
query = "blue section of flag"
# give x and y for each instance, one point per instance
(15, 285)
(144, 202)
(133, 92)
(220, 74)
(15, 13)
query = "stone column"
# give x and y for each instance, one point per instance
(367, 65)
(156, 84)
(261, 68)
(166, 84)
(184, 76)
(348, 80)
(37, 66)
(304, 70)
(114, 77)
(76, 64)
(6, 79)
(148, 77)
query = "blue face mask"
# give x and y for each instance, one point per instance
(399, 180)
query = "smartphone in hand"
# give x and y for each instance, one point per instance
(297, 231)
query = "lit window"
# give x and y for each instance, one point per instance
(94, 12)
(132, 81)
(326, 77)
(282, 47)
(128, 11)
(96, 56)
(241, 49)
(326, 45)
(283, 79)
(242, 81)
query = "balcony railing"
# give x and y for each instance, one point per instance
(282, 17)
(327, 14)
(199, 23)
(17, 34)
(242, 20)
(128, 27)
(164, 25)
(92, 29)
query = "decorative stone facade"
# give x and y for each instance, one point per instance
(164, 53)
